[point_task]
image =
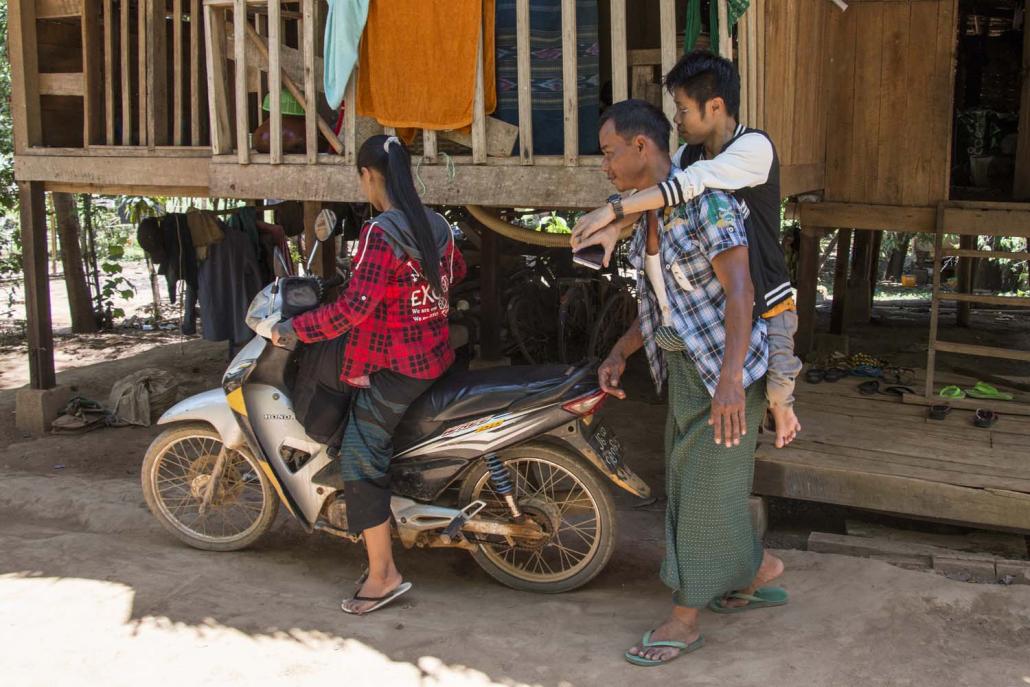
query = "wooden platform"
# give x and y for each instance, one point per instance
(880, 454)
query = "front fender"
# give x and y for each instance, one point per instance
(212, 408)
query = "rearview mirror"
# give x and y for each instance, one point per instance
(324, 224)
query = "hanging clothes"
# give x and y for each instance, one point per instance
(545, 39)
(418, 63)
(229, 279)
(343, 27)
(180, 256)
(204, 230)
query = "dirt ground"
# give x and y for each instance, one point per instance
(93, 591)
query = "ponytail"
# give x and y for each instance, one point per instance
(388, 156)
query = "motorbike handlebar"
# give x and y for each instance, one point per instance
(333, 281)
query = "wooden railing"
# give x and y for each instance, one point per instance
(255, 29)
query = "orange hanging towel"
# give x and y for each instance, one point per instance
(418, 62)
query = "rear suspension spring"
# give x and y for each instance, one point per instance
(501, 480)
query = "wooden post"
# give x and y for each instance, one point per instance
(840, 281)
(109, 72)
(350, 118)
(275, 82)
(669, 52)
(858, 309)
(620, 70)
(874, 266)
(92, 71)
(965, 279)
(239, 25)
(310, 92)
(217, 80)
(935, 304)
(142, 38)
(37, 285)
(178, 95)
(67, 229)
(429, 146)
(808, 279)
(479, 104)
(490, 301)
(725, 31)
(23, 51)
(1021, 188)
(523, 49)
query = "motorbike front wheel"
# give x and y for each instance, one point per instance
(569, 502)
(177, 474)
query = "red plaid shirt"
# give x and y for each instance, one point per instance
(395, 321)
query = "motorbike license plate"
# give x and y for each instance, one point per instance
(607, 446)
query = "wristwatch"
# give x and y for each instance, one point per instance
(615, 200)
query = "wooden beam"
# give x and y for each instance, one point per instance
(240, 26)
(777, 476)
(92, 74)
(523, 48)
(935, 304)
(52, 83)
(669, 50)
(620, 69)
(217, 79)
(514, 185)
(58, 9)
(196, 63)
(350, 118)
(157, 73)
(965, 280)
(429, 146)
(570, 80)
(109, 72)
(864, 216)
(985, 351)
(796, 179)
(725, 31)
(840, 281)
(1021, 187)
(479, 101)
(275, 81)
(115, 170)
(37, 286)
(808, 280)
(142, 38)
(1009, 301)
(987, 221)
(290, 59)
(989, 254)
(24, 56)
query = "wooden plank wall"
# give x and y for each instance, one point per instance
(794, 55)
(890, 79)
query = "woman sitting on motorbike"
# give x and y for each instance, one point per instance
(394, 311)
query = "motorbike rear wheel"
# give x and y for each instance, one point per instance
(177, 472)
(570, 502)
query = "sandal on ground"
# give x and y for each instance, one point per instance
(983, 390)
(985, 418)
(939, 411)
(835, 374)
(869, 388)
(762, 598)
(814, 375)
(952, 391)
(377, 601)
(646, 643)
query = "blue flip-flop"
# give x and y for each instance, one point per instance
(646, 642)
(762, 598)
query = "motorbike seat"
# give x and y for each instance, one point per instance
(465, 393)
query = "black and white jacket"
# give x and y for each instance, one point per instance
(749, 168)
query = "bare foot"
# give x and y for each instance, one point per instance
(373, 588)
(680, 626)
(769, 570)
(787, 425)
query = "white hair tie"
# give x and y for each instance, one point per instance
(388, 141)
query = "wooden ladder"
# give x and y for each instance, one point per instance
(974, 219)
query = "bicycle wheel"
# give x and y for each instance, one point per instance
(617, 314)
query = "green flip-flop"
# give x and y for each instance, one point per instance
(646, 642)
(762, 598)
(983, 390)
(952, 391)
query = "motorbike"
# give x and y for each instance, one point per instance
(510, 464)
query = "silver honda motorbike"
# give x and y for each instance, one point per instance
(510, 464)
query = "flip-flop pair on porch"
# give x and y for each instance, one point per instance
(764, 597)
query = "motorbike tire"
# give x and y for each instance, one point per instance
(599, 494)
(152, 464)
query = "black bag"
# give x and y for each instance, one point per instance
(321, 401)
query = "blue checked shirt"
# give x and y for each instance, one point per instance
(690, 236)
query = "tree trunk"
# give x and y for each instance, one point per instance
(80, 304)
